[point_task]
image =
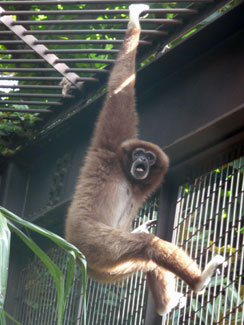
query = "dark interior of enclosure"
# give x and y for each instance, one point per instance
(190, 101)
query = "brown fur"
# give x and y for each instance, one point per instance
(107, 197)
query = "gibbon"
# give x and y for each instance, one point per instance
(119, 173)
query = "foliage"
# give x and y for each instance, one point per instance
(62, 281)
(4, 260)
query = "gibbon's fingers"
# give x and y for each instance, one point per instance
(145, 227)
(134, 12)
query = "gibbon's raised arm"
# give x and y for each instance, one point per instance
(118, 175)
(118, 118)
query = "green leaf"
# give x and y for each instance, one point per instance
(55, 272)
(5, 237)
(11, 318)
(62, 282)
(55, 238)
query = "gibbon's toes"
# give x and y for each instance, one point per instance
(177, 299)
(182, 302)
(208, 272)
(223, 264)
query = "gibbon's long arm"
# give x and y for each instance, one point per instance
(118, 118)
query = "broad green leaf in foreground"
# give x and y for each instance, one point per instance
(5, 237)
(62, 281)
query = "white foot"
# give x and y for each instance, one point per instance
(134, 12)
(177, 300)
(182, 302)
(208, 272)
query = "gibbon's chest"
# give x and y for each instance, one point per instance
(120, 204)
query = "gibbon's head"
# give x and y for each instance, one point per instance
(143, 161)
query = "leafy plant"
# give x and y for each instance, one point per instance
(4, 259)
(62, 281)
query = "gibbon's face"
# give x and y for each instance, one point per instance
(142, 161)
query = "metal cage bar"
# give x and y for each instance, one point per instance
(209, 221)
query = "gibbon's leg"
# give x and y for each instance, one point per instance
(162, 282)
(162, 286)
(117, 121)
(117, 254)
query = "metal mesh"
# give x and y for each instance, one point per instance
(209, 221)
(121, 303)
(37, 299)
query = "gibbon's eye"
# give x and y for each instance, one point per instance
(137, 153)
(151, 157)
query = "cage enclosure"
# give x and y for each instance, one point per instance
(190, 102)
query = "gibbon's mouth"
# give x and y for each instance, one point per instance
(139, 169)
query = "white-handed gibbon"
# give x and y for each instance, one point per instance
(119, 174)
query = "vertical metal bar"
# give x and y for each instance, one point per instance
(219, 185)
(194, 209)
(98, 303)
(212, 193)
(111, 289)
(240, 244)
(199, 243)
(167, 202)
(95, 302)
(91, 291)
(128, 305)
(233, 213)
(113, 312)
(226, 206)
(141, 283)
(124, 302)
(179, 230)
(20, 312)
(133, 297)
(118, 318)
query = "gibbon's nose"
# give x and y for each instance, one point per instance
(142, 159)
